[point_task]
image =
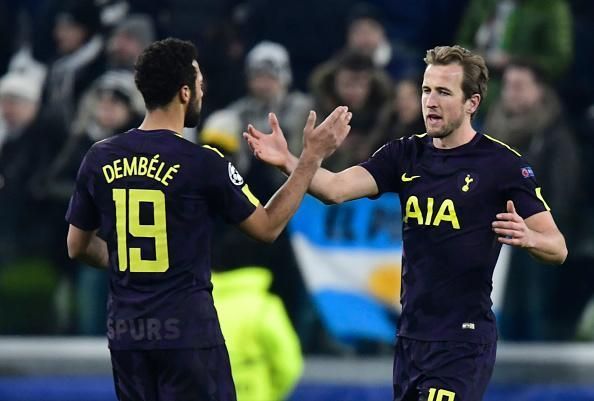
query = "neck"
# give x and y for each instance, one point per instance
(167, 118)
(460, 136)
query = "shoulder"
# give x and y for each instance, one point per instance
(210, 152)
(507, 159)
(406, 143)
(216, 164)
(500, 146)
(502, 152)
(114, 140)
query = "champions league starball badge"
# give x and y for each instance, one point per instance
(234, 175)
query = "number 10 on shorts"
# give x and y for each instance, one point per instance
(441, 395)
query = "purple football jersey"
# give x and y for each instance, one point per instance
(449, 198)
(154, 196)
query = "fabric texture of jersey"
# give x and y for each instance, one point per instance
(153, 196)
(449, 198)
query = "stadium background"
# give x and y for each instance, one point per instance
(51, 342)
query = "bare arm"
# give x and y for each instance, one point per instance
(352, 183)
(538, 234)
(87, 247)
(267, 222)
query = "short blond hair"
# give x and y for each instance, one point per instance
(476, 73)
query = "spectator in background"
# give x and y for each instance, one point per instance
(127, 41)
(366, 34)
(263, 346)
(353, 80)
(500, 30)
(402, 116)
(529, 118)
(80, 47)
(25, 280)
(269, 79)
(112, 105)
(19, 104)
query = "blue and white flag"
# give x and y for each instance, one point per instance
(350, 256)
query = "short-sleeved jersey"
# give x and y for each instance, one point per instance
(154, 196)
(449, 198)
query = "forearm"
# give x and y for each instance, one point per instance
(96, 254)
(284, 203)
(548, 247)
(323, 183)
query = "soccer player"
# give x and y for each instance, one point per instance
(463, 194)
(144, 206)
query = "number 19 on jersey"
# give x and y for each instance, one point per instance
(128, 221)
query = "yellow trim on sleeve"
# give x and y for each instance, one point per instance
(224, 140)
(420, 135)
(504, 144)
(214, 150)
(539, 196)
(251, 197)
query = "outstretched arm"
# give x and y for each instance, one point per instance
(538, 234)
(352, 183)
(266, 223)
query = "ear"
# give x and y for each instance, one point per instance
(185, 94)
(472, 103)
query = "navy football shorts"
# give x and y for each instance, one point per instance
(195, 374)
(442, 370)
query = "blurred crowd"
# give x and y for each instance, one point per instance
(66, 81)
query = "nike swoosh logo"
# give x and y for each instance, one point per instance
(404, 178)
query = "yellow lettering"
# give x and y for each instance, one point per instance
(447, 212)
(108, 173)
(157, 176)
(413, 210)
(168, 174)
(152, 167)
(429, 211)
(142, 165)
(117, 168)
(130, 167)
(442, 395)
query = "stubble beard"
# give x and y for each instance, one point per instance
(192, 116)
(446, 130)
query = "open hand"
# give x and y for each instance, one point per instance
(511, 228)
(326, 137)
(270, 148)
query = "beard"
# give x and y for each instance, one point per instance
(192, 116)
(446, 130)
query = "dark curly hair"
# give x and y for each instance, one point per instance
(162, 69)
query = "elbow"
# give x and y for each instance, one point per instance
(74, 253)
(557, 259)
(269, 236)
(562, 257)
(75, 250)
(563, 252)
(333, 199)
